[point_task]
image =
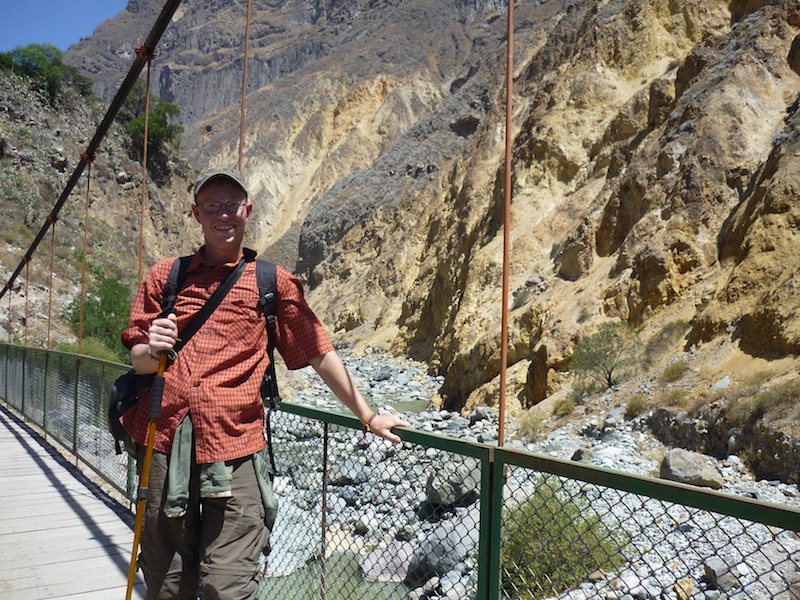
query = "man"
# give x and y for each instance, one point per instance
(208, 516)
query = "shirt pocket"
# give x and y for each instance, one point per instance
(238, 327)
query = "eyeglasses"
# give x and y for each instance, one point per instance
(231, 206)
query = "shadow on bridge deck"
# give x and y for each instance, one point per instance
(61, 536)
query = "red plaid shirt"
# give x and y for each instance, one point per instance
(217, 375)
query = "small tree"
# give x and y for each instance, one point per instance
(163, 136)
(604, 355)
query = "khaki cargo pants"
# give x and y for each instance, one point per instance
(214, 547)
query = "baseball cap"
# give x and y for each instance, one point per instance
(220, 173)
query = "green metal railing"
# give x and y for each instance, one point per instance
(441, 518)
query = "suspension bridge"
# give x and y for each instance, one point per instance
(61, 536)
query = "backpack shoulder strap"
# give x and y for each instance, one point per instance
(267, 277)
(177, 275)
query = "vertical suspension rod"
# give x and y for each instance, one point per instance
(147, 55)
(89, 160)
(244, 85)
(506, 224)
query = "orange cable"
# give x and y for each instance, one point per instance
(506, 225)
(244, 85)
(27, 317)
(52, 220)
(142, 51)
(89, 160)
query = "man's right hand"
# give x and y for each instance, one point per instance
(163, 333)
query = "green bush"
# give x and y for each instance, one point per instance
(161, 134)
(675, 371)
(106, 312)
(554, 541)
(605, 355)
(637, 405)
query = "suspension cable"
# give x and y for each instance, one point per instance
(506, 224)
(149, 55)
(244, 85)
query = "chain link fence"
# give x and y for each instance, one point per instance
(435, 518)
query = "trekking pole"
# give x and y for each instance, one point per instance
(157, 391)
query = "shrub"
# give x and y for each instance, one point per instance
(637, 404)
(773, 401)
(674, 371)
(604, 355)
(163, 136)
(91, 347)
(553, 541)
(677, 398)
(563, 407)
(531, 427)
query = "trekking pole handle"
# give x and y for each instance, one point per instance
(157, 389)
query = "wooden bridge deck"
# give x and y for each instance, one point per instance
(61, 536)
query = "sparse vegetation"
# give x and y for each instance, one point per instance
(531, 427)
(665, 340)
(677, 398)
(106, 312)
(553, 541)
(769, 402)
(675, 371)
(564, 407)
(638, 404)
(605, 356)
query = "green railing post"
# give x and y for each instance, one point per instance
(5, 376)
(44, 392)
(489, 534)
(23, 386)
(75, 411)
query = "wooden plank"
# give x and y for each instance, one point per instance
(60, 537)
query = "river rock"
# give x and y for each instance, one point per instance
(690, 467)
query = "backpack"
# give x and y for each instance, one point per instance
(127, 389)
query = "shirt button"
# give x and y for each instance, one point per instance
(194, 389)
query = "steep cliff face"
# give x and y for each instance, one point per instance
(645, 131)
(654, 167)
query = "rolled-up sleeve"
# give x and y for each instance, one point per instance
(147, 304)
(301, 336)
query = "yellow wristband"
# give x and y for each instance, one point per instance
(367, 425)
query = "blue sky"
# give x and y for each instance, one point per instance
(58, 22)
